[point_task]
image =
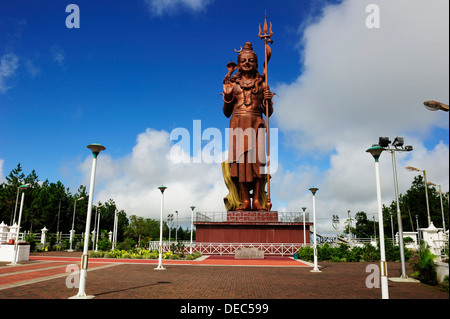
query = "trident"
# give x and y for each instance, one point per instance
(267, 53)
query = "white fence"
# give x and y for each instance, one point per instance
(274, 249)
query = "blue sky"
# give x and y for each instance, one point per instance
(136, 70)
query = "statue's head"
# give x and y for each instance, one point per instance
(247, 58)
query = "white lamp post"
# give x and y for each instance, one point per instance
(304, 227)
(96, 149)
(192, 226)
(398, 144)
(115, 225)
(17, 199)
(72, 232)
(96, 226)
(160, 266)
(169, 224)
(176, 229)
(442, 204)
(376, 151)
(410, 168)
(313, 191)
(14, 261)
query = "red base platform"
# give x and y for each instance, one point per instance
(251, 227)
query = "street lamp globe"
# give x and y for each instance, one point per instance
(96, 148)
(376, 151)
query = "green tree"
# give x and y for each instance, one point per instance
(8, 194)
(364, 227)
(414, 203)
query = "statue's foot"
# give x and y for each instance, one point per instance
(245, 206)
(257, 206)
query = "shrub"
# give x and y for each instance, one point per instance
(444, 284)
(193, 256)
(96, 254)
(336, 259)
(104, 244)
(407, 240)
(150, 255)
(325, 252)
(306, 253)
(30, 239)
(127, 244)
(370, 253)
(354, 255)
(109, 254)
(167, 255)
(425, 265)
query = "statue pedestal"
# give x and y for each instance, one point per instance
(251, 227)
(252, 216)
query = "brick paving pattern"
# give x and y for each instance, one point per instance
(213, 278)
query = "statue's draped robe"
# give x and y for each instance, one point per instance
(246, 152)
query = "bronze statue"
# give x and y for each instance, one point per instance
(247, 97)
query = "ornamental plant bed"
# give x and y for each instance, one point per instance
(141, 254)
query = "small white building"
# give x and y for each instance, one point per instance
(7, 239)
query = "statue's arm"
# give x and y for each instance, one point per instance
(268, 99)
(228, 97)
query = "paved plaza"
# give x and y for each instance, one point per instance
(45, 276)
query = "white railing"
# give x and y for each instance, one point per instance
(274, 249)
(5, 236)
(218, 217)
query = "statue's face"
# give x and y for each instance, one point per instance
(247, 62)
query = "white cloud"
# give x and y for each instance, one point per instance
(132, 181)
(9, 63)
(162, 7)
(359, 84)
(58, 55)
(32, 69)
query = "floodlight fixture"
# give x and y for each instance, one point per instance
(398, 141)
(384, 141)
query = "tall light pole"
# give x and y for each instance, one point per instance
(17, 200)
(335, 224)
(160, 266)
(442, 204)
(115, 225)
(398, 147)
(304, 226)
(192, 226)
(176, 229)
(411, 168)
(72, 232)
(376, 151)
(349, 227)
(313, 191)
(96, 149)
(169, 223)
(14, 261)
(418, 231)
(97, 226)
(392, 228)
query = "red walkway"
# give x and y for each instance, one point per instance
(268, 261)
(46, 267)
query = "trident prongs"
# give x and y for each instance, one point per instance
(267, 33)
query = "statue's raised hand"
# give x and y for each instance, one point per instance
(227, 86)
(227, 89)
